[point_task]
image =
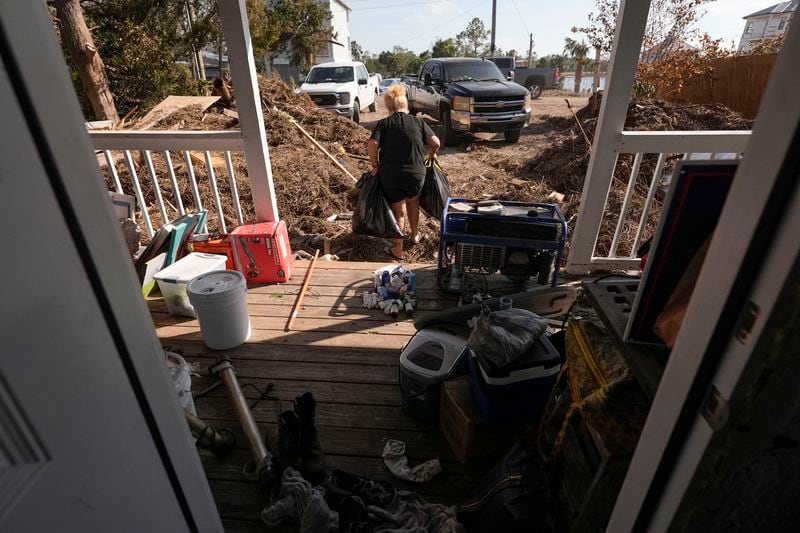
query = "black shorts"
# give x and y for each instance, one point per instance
(399, 186)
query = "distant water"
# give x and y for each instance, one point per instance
(568, 82)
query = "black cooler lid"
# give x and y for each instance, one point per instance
(541, 354)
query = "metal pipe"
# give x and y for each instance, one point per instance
(219, 442)
(224, 370)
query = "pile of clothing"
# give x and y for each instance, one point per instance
(394, 290)
(303, 492)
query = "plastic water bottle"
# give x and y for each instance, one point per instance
(412, 282)
(455, 280)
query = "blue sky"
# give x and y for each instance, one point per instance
(381, 24)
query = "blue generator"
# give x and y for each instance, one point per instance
(519, 240)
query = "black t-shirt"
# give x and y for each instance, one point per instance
(402, 139)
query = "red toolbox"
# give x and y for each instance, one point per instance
(262, 252)
(222, 246)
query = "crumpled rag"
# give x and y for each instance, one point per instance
(410, 513)
(298, 500)
(394, 456)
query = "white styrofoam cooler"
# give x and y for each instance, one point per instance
(220, 299)
(172, 281)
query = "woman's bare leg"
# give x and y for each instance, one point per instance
(412, 206)
(397, 209)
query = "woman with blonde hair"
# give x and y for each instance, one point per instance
(397, 154)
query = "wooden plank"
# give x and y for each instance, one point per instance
(230, 469)
(362, 265)
(309, 372)
(342, 303)
(288, 390)
(198, 158)
(347, 416)
(293, 338)
(281, 309)
(335, 325)
(169, 105)
(367, 443)
(318, 354)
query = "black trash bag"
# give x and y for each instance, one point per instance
(518, 495)
(372, 215)
(435, 190)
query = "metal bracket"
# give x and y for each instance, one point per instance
(747, 320)
(223, 363)
(716, 409)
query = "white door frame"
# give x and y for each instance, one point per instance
(41, 83)
(748, 262)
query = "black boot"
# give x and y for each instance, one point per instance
(289, 435)
(313, 467)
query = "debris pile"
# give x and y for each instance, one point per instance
(563, 166)
(316, 195)
(557, 172)
(308, 185)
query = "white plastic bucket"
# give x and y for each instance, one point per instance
(173, 279)
(220, 300)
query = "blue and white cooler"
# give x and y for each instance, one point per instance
(519, 391)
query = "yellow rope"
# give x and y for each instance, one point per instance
(590, 362)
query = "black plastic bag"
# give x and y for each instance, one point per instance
(519, 494)
(435, 190)
(372, 215)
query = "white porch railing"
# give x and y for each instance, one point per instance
(176, 150)
(251, 140)
(610, 141)
(588, 252)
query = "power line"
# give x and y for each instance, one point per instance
(445, 23)
(527, 31)
(360, 9)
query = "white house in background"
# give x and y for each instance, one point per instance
(766, 23)
(336, 49)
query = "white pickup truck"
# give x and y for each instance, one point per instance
(344, 88)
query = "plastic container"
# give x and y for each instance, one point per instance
(220, 299)
(173, 279)
(517, 392)
(430, 357)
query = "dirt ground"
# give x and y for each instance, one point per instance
(484, 165)
(487, 154)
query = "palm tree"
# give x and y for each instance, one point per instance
(577, 50)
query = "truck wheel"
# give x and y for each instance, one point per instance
(449, 137)
(356, 112)
(512, 136)
(536, 90)
(374, 105)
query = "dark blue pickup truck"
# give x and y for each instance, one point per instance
(469, 95)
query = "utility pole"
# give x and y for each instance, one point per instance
(494, 20)
(530, 53)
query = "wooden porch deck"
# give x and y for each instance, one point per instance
(347, 356)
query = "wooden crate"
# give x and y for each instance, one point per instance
(461, 424)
